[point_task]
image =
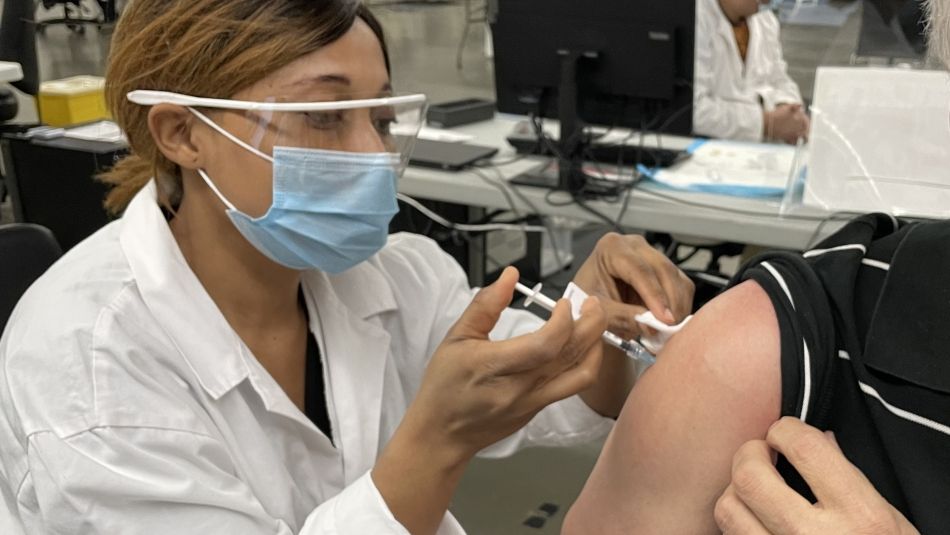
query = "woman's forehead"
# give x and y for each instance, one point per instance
(353, 66)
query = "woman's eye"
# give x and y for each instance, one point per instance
(324, 119)
(384, 125)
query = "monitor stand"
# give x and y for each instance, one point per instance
(568, 174)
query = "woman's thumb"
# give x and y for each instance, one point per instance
(486, 307)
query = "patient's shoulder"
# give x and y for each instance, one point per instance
(737, 325)
(715, 386)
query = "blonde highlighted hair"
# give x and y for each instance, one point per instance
(208, 48)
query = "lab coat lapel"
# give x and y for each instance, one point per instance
(357, 354)
(726, 33)
(756, 42)
(174, 295)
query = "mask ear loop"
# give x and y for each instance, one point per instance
(207, 179)
(238, 141)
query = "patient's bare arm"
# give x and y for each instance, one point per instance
(715, 386)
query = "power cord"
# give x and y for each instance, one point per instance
(488, 227)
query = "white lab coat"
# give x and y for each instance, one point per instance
(729, 95)
(130, 405)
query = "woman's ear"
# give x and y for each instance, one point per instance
(171, 128)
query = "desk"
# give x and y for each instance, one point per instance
(10, 71)
(52, 183)
(752, 221)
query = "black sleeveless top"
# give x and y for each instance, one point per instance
(315, 397)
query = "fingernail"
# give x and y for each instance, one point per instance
(670, 318)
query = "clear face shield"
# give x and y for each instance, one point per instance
(334, 163)
(377, 126)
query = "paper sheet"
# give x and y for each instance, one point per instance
(731, 168)
(100, 131)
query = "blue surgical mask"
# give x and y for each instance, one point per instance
(330, 210)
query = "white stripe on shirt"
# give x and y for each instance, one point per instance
(894, 221)
(876, 264)
(806, 399)
(780, 280)
(849, 247)
(909, 416)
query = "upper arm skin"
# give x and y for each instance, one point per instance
(715, 386)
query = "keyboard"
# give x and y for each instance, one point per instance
(606, 154)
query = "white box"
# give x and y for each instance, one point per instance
(880, 142)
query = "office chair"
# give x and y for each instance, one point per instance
(18, 42)
(8, 110)
(77, 23)
(476, 12)
(26, 252)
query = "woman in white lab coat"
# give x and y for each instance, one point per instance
(244, 351)
(742, 89)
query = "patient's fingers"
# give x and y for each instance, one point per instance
(734, 518)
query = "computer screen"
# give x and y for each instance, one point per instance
(634, 66)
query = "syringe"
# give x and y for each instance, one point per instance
(631, 348)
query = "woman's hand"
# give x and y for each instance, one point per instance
(631, 277)
(476, 392)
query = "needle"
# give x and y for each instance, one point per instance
(631, 348)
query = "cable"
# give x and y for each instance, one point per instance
(506, 189)
(610, 222)
(669, 122)
(817, 233)
(499, 163)
(463, 227)
(679, 261)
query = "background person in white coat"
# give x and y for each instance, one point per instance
(742, 89)
(184, 370)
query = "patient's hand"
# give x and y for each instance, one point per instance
(758, 501)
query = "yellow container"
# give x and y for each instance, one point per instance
(75, 100)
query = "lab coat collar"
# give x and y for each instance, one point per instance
(363, 289)
(343, 310)
(357, 353)
(726, 31)
(177, 300)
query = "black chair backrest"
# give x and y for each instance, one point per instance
(26, 252)
(18, 42)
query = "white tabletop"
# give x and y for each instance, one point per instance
(10, 72)
(706, 216)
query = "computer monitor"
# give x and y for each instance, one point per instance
(614, 63)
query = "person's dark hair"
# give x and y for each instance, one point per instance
(208, 48)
